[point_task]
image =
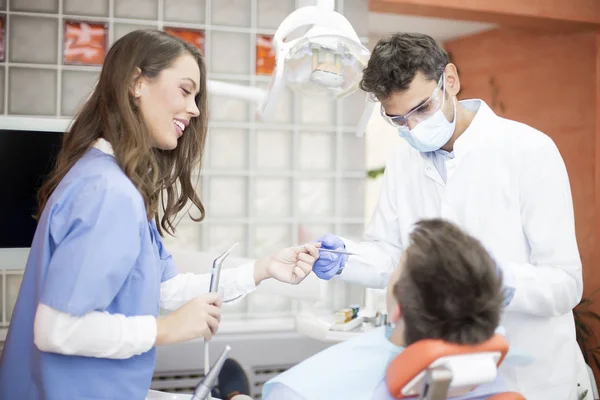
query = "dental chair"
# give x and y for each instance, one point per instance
(434, 369)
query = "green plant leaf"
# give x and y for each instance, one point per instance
(374, 173)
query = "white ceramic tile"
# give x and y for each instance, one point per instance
(86, 7)
(315, 197)
(193, 11)
(33, 39)
(311, 232)
(353, 152)
(317, 151)
(270, 238)
(352, 108)
(334, 297)
(272, 197)
(227, 197)
(230, 12)
(352, 199)
(230, 53)
(44, 6)
(13, 283)
(316, 111)
(223, 108)
(271, 13)
(26, 98)
(284, 109)
(136, 9)
(228, 148)
(357, 12)
(273, 150)
(265, 305)
(76, 88)
(222, 236)
(188, 237)
(123, 29)
(352, 231)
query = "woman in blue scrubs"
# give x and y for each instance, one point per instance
(86, 321)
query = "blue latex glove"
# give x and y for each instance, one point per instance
(509, 293)
(330, 264)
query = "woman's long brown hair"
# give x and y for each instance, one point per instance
(164, 178)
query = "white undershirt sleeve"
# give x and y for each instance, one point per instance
(96, 334)
(104, 335)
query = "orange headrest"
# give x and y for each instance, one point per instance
(418, 356)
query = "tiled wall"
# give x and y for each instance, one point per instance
(264, 184)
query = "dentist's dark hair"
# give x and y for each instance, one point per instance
(164, 178)
(397, 58)
(449, 288)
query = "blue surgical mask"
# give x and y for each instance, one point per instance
(389, 328)
(431, 134)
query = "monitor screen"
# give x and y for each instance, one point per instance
(26, 159)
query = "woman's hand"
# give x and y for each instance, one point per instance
(290, 265)
(197, 318)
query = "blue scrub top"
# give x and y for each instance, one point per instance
(93, 250)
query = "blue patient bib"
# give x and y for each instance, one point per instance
(353, 370)
(361, 362)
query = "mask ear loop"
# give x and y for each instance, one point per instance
(444, 99)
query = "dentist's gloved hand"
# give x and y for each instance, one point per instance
(330, 264)
(508, 288)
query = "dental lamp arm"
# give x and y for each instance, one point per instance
(217, 88)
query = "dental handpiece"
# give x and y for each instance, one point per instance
(209, 381)
(215, 276)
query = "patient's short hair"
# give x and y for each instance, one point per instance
(449, 288)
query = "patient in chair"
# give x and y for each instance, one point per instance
(446, 287)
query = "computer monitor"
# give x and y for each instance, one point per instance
(28, 150)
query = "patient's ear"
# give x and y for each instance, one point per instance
(395, 314)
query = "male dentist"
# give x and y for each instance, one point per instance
(501, 181)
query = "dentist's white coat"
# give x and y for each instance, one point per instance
(508, 186)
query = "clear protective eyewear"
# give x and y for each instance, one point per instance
(422, 112)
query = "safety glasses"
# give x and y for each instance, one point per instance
(421, 113)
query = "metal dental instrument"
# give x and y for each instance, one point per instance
(215, 276)
(209, 381)
(337, 251)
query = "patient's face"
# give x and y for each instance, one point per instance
(391, 303)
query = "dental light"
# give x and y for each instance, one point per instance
(326, 62)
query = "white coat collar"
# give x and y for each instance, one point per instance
(482, 122)
(104, 146)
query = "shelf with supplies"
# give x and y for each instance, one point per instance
(323, 326)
